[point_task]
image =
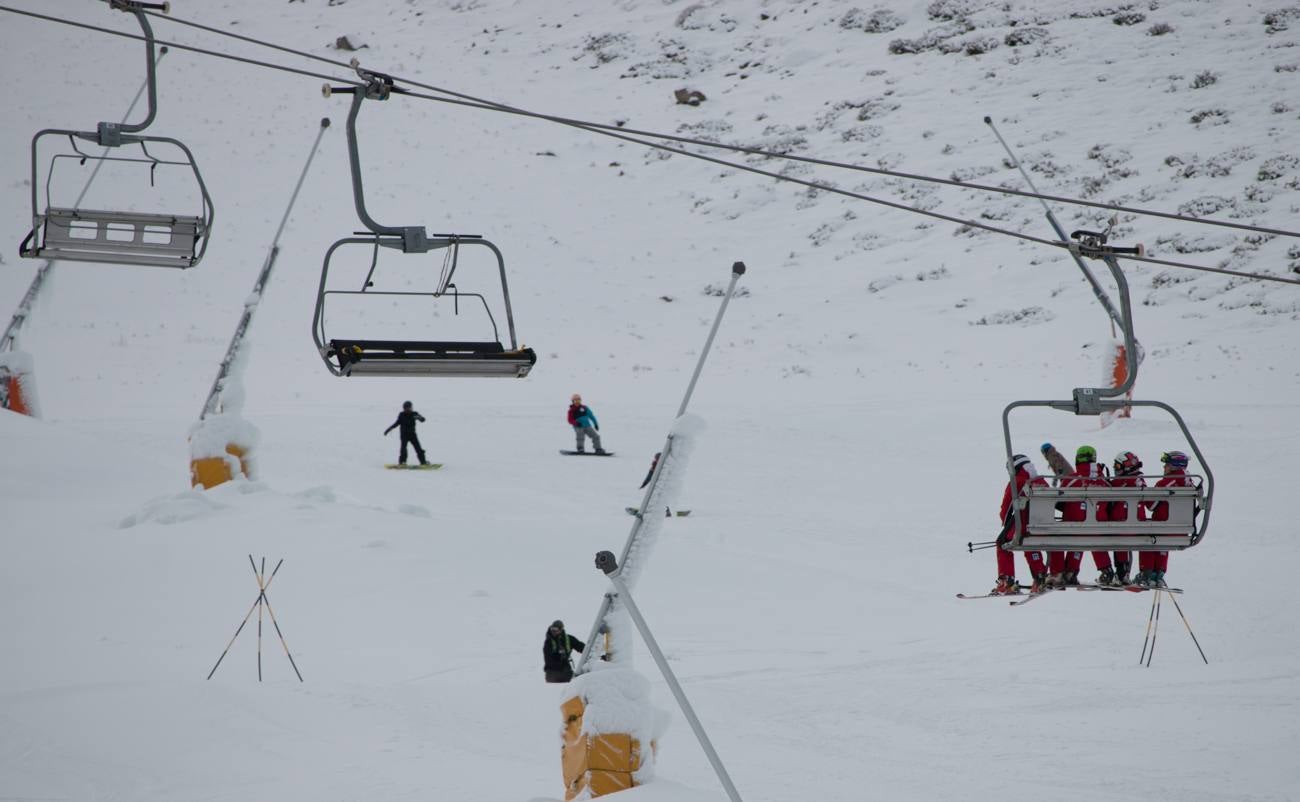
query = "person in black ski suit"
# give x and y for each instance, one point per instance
(556, 650)
(405, 424)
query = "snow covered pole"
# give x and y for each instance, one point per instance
(17, 389)
(605, 562)
(661, 489)
(220, 441)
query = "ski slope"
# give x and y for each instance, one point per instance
(853, 400)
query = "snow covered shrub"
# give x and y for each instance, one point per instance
(1280, 108)
(1286, 68)
(972, 46)
(1160, 29)
(605, 47)
(1129, 18)
(1109, 155)
(1208, 118)
(1276, 167)
(718, 290)
(1028, 316)
(947, 10)
(698, 18)
(1293, 253)
(965, 174)
(1278, 21)
(882, 20)
(1204, 205)
(931, 39)
(1204, 79)
(1026, 36)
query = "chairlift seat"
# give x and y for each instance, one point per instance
(1179, 531)
(94, 235)
(428, 358)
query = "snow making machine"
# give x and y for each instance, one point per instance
(404, 356)
(1188, 505)
(64, 229)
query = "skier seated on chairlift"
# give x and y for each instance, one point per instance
(1026, 474)
(1060, 465)
(1128, 473)
(584, 424)
(1063, 567)
(1153, 564)
(405, 424)
(557, 649)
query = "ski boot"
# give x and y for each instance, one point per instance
(1006, 586)
(1107, 578)
(1070, 579)
(1121, 575)
(1054, 581)
(600, 452)
(1040, 583)
(1142, 580)
(1158, 579)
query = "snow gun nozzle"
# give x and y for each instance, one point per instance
(738, 268)
(606, 562)
(988, 120)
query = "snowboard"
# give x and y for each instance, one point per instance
(635, 511)
(432, 466)
(585, 453)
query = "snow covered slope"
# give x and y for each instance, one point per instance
(853, 406)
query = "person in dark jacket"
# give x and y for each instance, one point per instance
(405, 424)
(556, 651)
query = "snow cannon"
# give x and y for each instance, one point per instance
(221, 449)
(605, 724)
(17, 383)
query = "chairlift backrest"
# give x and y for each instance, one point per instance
(65, 230)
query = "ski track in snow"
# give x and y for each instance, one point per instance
(853, 403)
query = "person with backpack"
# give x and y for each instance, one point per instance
(405, 424)
(1152, 565)
(1128, 473)
(557, 650)
(1007, 584)
(584, 424)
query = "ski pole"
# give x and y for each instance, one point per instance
(980, 544)
(1179, 608)
(240, 629)
(276, 624)
(1150, 617)
(1156, 631)
(261, 595)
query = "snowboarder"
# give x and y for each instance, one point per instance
(584, 424)
(1153, 564)
(1007, 584)
(1128, 473)
(1064, 567)
(556, 651)
(654, 463)
(405, 424)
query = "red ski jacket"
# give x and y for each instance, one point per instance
(1119, 509)
(1176, 477)
(1022, 478)
(1086, 474)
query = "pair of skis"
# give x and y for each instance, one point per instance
(1028, 597)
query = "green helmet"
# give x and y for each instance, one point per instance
(1085, 454)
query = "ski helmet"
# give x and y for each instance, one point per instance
(1085, 454)
(1046, 447)
(407, 405)
(557, 624)
(1174, 459)
(1127, 463)
(1019, 461)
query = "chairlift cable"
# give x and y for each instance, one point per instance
(625, 134)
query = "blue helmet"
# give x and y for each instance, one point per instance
(1174, 459)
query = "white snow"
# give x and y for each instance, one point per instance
(854, 405)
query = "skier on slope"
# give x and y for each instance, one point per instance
(1064, 567)
(1153, 564)
(405, 424)
(1007, 584)
(1128, 473)
(584, 424)
(557, 662)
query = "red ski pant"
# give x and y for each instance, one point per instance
(1007, 562)
(1058, 561)
(1153, 561)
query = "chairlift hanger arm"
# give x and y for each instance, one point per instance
(110, 134)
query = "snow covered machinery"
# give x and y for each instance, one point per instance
(132, 236)
(1187, 503)
(405, 356)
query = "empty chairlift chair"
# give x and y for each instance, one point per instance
(351, 356)
(63, 229)
(1188, 507)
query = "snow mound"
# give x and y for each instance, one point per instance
(191, 505)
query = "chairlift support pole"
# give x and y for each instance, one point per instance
(1097, 289)
(605, 562)
(630, 567)
(213, 403)
(9, 342)
(1096, 400)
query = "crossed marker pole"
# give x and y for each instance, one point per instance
(263, 582)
